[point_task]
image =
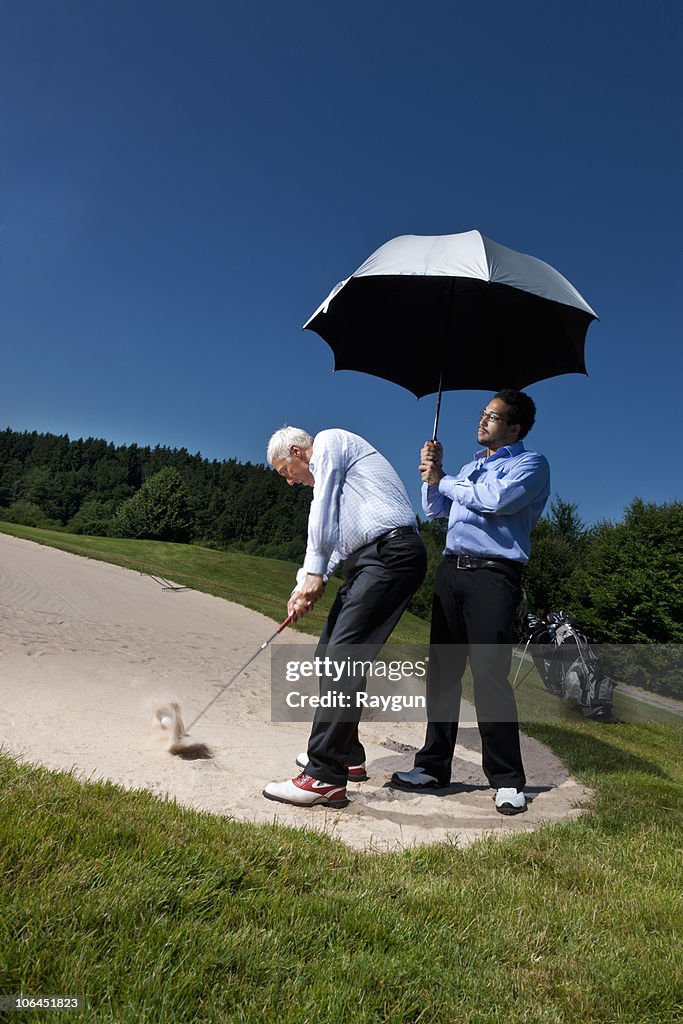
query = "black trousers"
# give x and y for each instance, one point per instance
(473, 613)
(379, 581)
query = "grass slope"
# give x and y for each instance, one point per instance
(156, 913)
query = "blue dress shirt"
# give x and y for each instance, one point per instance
(492, 504)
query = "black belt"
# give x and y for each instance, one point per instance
(398, 531)
(468, 562)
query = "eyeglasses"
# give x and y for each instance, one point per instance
(491, 417)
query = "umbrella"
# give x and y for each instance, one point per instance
(439, 313)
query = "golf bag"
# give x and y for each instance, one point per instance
(568, 666)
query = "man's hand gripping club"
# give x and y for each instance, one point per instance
(304, 600)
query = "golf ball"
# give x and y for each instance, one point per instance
(166, 722)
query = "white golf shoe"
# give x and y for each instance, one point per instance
(510, 801)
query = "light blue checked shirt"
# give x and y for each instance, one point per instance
(492, 504)
(357, 497)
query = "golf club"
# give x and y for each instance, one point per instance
(195, 751)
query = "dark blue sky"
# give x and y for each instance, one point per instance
(181, 184)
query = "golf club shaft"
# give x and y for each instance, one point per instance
(246, 665)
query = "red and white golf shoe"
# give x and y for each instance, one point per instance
(357, 772)
(305, 791)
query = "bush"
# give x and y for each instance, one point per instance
(26, 513)
(161, 510)
(628, 589)
(94, 518)
(433, 534)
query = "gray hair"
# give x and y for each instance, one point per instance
(283, 439)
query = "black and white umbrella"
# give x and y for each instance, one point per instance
(438, 313)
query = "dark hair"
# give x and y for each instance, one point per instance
(522, 409)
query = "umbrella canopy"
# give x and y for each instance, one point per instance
(448, 312)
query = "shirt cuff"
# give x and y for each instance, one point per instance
(316, 564)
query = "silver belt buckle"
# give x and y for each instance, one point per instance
(463, 564)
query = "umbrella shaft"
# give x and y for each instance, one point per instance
(438, 407)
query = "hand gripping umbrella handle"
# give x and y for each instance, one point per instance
(239, 672)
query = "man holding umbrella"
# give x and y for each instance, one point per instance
(360, 514)
(492, 506)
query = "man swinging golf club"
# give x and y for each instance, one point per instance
(361, 515)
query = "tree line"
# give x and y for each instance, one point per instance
(94, 487)
(620, 581)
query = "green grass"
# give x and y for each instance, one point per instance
(157, 913)
(160, 914)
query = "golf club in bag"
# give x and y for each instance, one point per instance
(568, 666)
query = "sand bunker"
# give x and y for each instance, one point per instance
(89, 651)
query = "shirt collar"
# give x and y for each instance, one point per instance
(506, 452)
